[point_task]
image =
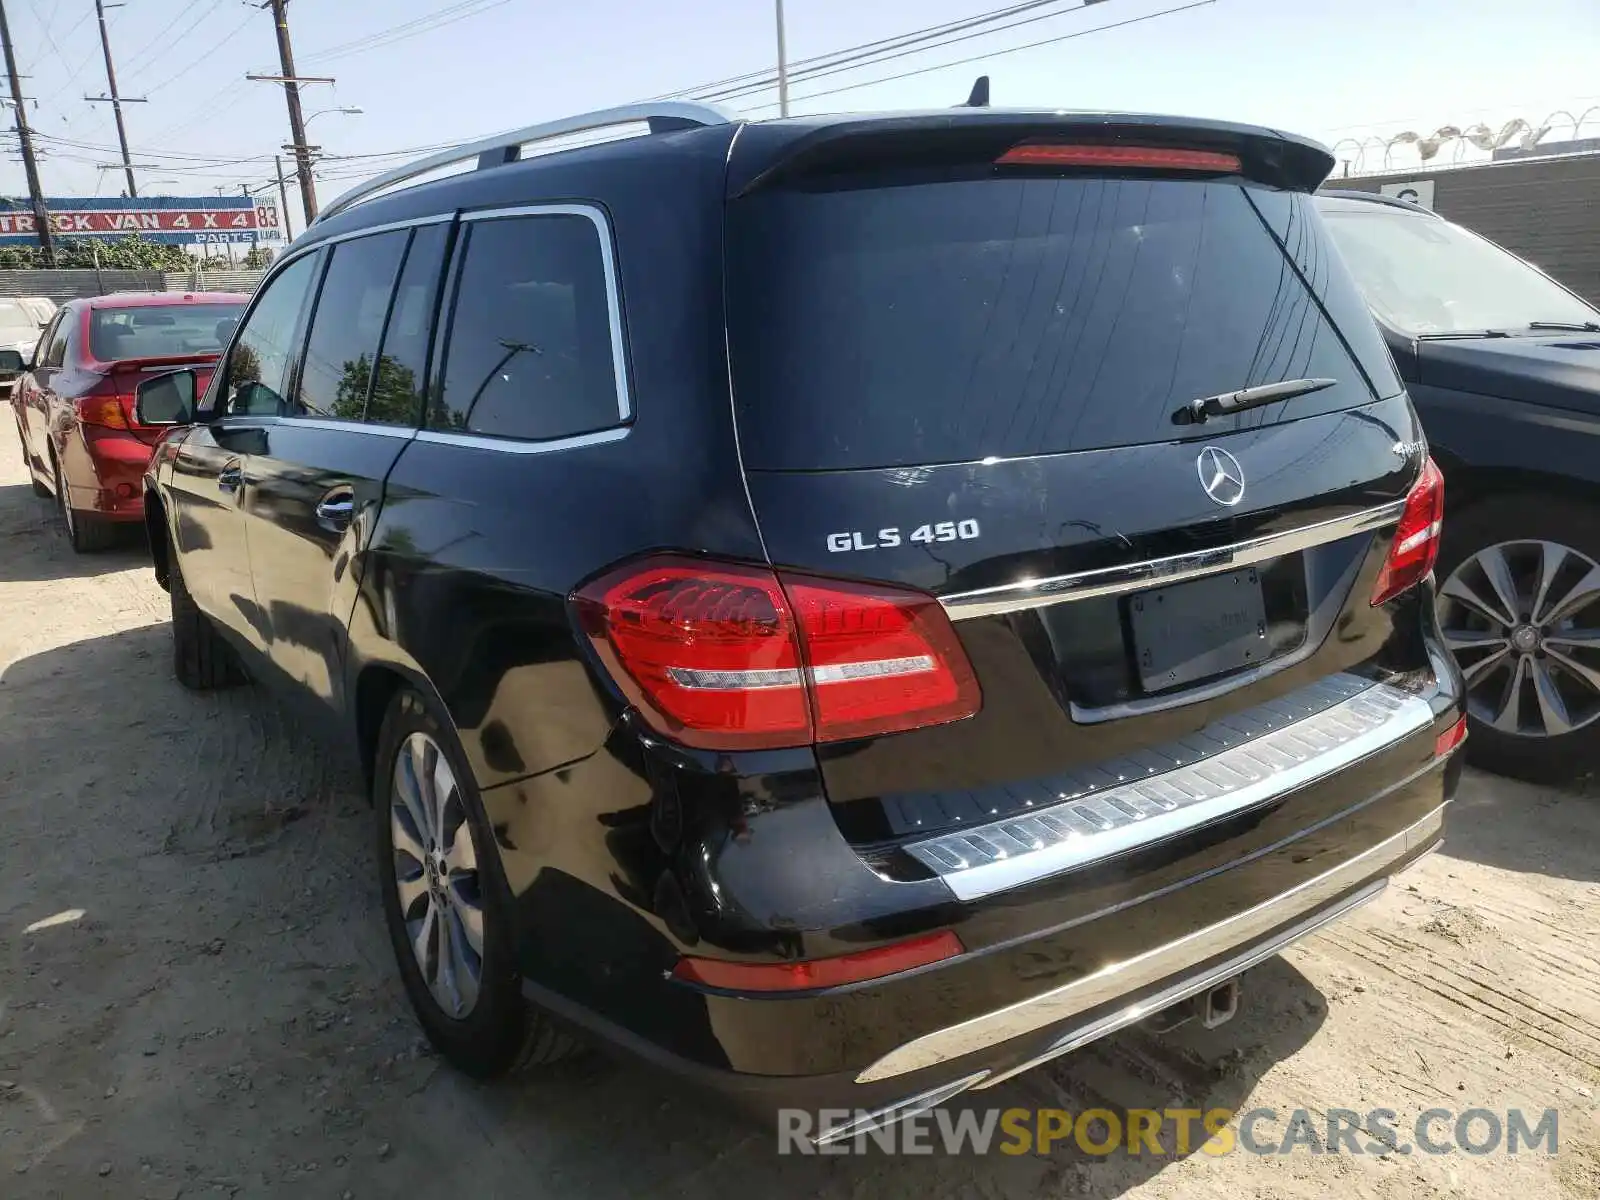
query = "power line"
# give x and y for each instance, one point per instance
(1066, 37)
(80, 68)
(160, 38)
(803, 66)
(206, 53)
(168, 45)
(857, 62)
(79, 144)
(407, 29)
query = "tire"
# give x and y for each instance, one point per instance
(87, 533)
(201, 659)
(1521, 539)
(498, 1033)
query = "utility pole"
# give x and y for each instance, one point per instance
(116, 100)
(297, 124)
(783, 67)
(283, 195)
(41, 217)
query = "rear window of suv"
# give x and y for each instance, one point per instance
(939, 322)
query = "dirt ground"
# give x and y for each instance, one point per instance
(222, 1020)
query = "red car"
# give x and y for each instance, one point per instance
(74, 401)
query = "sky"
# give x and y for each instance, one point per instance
(428, 72)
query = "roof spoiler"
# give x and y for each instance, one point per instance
(768, 155)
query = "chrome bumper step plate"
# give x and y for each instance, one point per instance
(1248, 768)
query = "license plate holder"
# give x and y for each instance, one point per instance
(1195, 630)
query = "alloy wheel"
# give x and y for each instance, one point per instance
(1522, 621)
(436, 874)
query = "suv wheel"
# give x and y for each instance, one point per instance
(1518, 607)
(445, 901)
(201, 658)
(87, 532)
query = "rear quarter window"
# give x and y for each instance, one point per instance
(937, 322)
(531, 353)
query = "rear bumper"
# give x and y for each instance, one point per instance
(104, 470)
(1124, 992)
(992, 1046)
(1050, 964)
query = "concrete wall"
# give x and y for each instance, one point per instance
(1544, 210)
(69, 285)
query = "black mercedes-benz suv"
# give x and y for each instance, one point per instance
(849, 607)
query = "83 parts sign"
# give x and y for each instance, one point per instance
(179, 220)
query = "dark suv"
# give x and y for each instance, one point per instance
(1503, 365)
(849, 607)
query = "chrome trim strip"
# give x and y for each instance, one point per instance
(1121, 979)
(1193, 985)
(513, 446)
(899, 1111)
(1128, 577)
(1027, 847)
(386, 227)
(628, 114)
(602, 228)
(395, 431)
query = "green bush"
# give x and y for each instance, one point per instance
(131, 253)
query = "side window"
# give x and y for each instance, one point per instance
(530, 352)
(346, 327)
(56, 354)
(397, 390)
(262, 355)
(41, 352)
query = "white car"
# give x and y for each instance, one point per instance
(19, 330)
(41, 308)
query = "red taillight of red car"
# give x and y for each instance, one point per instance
(105, 411)
(1416, 540)
(877, 963)
(728, 656)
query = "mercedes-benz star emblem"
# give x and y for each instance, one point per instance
(1221, 476)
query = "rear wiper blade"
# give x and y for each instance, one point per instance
(1196, 411)
(1570, 326)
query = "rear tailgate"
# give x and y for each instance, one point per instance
(971, 378)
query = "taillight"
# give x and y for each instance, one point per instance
(102, 410)
(726, 656)
(1121, 157)
(1450, 738)
(820, 972)
(1416, 540)
(878, 660)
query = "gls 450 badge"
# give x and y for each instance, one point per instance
(943, 531)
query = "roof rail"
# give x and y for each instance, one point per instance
(662, 116)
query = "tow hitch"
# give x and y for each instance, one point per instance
(1214, 1006)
